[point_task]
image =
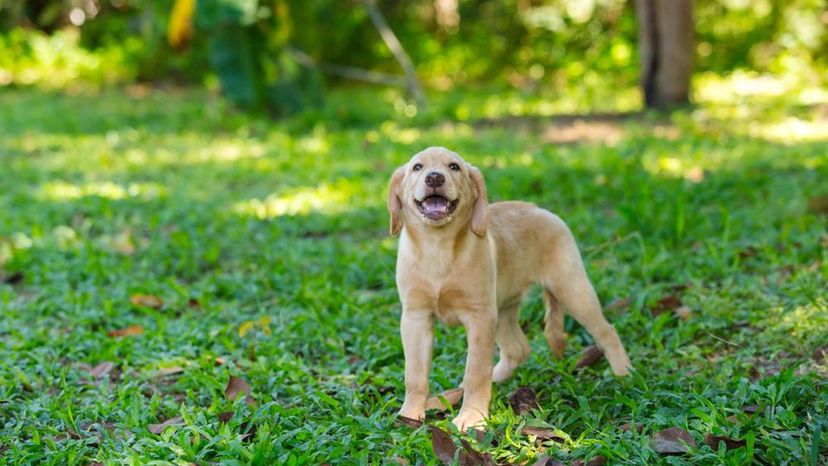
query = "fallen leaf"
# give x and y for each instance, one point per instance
(220, 361)
(409, 422)
(750, 409)
(618, 304)
(547, 461)
(542, 433)
(165, 371)
(101, 369)
(672, 441)
(125, 332)
(665, 304)
(159, 428)
(237, 385)
(629, 427)
(712, 441)
(589, 356)
(147, 300)
(683, 312)
(818, 204)
(596, 461)
(442, 445)
(452, 397)
(445, 449)
(523, 400)
(193, 303)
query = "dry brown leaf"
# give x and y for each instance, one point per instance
(665, 304)
(672, 441)
(750, 409)
(126, 332)
(445, 449)
(147, 300)
(589, 357)
(452, 397)
(547, 461)
(237, 385)
(159, 428)
(596, 461)
(409, 422)
(523, 400)
(220, 361)
(618, 304)
(628, 427)
(712, 441)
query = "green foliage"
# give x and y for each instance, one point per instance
(528, 45)
(279, 228)
(246, 51)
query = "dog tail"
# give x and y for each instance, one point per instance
(554, 324)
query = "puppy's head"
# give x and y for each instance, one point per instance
(436, 187)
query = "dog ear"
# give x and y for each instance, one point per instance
(480, 214)
(394, 203)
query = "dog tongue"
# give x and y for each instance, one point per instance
(435, 204)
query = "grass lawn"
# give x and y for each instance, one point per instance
(153, 246)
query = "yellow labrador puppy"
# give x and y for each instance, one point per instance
(467, 262)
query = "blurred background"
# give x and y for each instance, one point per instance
(285, 56)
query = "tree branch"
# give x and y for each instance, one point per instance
(397, 50)
(348, 72)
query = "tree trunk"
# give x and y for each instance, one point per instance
(665, 42)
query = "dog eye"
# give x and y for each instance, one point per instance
(417, 167)
(454, 166)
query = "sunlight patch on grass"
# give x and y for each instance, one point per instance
(791, 130)
(63, 191)
(803, 321)
(229, 151)
(323, 198)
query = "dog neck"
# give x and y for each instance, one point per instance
(455, 234)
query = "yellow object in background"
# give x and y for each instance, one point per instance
(181, 23)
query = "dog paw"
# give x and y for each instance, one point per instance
(502, 371)
(412, 414)
(469, 419)
(620, 365)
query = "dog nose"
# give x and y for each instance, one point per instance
(435, 180)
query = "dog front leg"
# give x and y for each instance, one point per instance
(477, 381)
(416, 328)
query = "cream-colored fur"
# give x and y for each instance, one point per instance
(472, 267)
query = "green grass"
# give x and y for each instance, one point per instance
(267, 242)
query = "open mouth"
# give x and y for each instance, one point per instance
(436, 207)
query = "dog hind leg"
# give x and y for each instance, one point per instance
(512, 342)
(573, 290)
(553, 328)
